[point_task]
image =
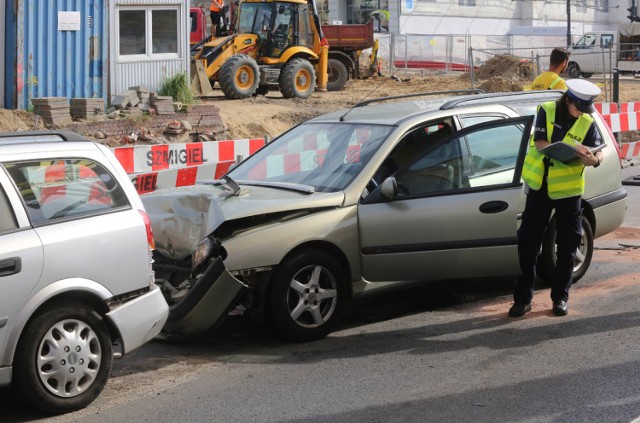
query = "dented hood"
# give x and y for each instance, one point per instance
(182, 217)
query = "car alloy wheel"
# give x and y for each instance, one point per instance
(308, 295)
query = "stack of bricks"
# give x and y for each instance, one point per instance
(126, 99)
(162, 104)
(87, 108)
(52, 110)
(144, 94)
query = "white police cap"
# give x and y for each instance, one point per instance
(583, 93)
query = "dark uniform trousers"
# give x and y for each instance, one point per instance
(530, 236)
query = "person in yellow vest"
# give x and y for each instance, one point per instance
(551, 184)
(551, 79)
(215, 8)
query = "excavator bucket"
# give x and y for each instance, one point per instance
(200, 84)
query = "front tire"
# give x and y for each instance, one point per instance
(584, 252)
(297, 79)
(63, 358)
(573, 70)
(239, 77)
(308, 296)
(338, 75)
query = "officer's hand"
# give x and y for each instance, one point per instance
(586, 156)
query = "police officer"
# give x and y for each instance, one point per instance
(554, 185)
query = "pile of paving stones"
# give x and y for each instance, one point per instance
(141, 98)
(52, 110)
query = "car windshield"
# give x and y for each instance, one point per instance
(325, 156)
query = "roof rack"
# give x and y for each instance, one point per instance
(396, 97)
(457, 101)
(61, 135)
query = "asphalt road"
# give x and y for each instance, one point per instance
(444, 353)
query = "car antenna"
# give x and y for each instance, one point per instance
(393, 75)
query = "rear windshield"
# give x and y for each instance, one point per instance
(57, 189)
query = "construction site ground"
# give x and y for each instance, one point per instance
(270, 115)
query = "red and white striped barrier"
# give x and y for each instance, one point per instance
(154, 167)
(172, 178)
(629, 150)
(611, 108)
(623, 122)
(150, 158)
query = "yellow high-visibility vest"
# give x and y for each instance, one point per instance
(563, 179)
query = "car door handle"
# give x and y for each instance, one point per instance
(10, 266)
(493, 207)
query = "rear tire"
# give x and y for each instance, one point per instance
(583, 254)
(297, 79)
(239, 77)
(63, 359)
(338, 75)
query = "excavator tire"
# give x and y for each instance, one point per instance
(239, 77)
(297, 79)
(338, 75)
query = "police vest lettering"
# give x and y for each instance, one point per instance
(563, 179)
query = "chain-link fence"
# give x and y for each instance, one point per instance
(451, 53)
(429, 54)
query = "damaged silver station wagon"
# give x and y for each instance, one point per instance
(389, 191)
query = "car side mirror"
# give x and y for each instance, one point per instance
(389, 187)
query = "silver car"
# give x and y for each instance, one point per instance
(76, 283)
(385, 192)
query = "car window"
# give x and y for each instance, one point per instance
(7, 217)
(437, 171)
(493, 155)
(54, 189)
(470, 120)
(482, 158)
(412, 145)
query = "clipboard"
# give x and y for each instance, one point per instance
(564, 152)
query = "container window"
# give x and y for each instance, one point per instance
(148, 32)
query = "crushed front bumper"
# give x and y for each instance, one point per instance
(213, 295)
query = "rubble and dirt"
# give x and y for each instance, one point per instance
(271, 114)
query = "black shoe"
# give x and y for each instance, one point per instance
(560, 308)
(519, 309)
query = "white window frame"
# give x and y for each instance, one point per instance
(149, 56)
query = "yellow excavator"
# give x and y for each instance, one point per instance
(275, 44)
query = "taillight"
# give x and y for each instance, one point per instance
(147, 226)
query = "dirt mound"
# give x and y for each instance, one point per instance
(18, 120)
(500, 85)
(506, 67)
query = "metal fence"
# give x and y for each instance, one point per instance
(451, 53)
(433, 54)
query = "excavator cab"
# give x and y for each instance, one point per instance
(278, 43)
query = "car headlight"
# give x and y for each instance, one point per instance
(202, 251)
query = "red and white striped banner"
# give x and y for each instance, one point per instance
(171, 178)
(629, 150)
(150, 158)
(610, 108)
(622, 122)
